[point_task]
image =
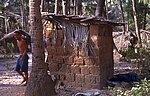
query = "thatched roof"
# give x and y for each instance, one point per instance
(80, 19)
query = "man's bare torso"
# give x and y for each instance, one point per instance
(22, 46)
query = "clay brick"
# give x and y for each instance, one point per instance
(68, 50)
(78, 61)
(79, 78)
(88, 61)
(76, 51)
(95, 86)
(75, 69)
(58, 59)
(95, 70)
(91, 60)
(65, 68)
(85, 70)
(87, 85)
(81, 53)
(70, 77)
(69, 60)
(90, 79)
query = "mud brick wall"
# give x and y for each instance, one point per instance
(77, 71)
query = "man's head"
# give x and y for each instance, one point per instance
(17, 35)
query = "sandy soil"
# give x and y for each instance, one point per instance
(9, 79)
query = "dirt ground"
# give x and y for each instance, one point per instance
(10, 80)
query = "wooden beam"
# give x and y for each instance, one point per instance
(145, 31)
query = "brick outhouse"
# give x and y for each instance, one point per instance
(80, 50)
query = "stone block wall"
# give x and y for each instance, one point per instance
(77, 71)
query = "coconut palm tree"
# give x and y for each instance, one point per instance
(100, 8)
(40, 83)
(136, 22)
(23, 13)
(78, 7)
(57, 7)
(122, 13)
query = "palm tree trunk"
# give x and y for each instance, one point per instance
(5, 31)
(100, 8)
(128, 17)
(64, 7)
(78, 7)
(42, 5)
(106, 9)
(57, 7)
(72, 9)
(23, 13)
(40, 83)
(144, 25)
(136, 22)
(122, 13)
(6, 27)
(68, 7)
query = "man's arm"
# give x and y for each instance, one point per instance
(24, 49)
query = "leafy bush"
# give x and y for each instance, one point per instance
(142, 57)
(130, 54)
(139, 89)
(140, 53)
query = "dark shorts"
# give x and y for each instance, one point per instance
(22, 65)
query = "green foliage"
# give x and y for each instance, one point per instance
(137, 53)
(139, 89)
(142, 56)
(142, 7)
(130, 54)
(10, 47)
(144, 1)
(89, 7)
(145, 65)
(1, 6)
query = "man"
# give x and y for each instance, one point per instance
(22, 62)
